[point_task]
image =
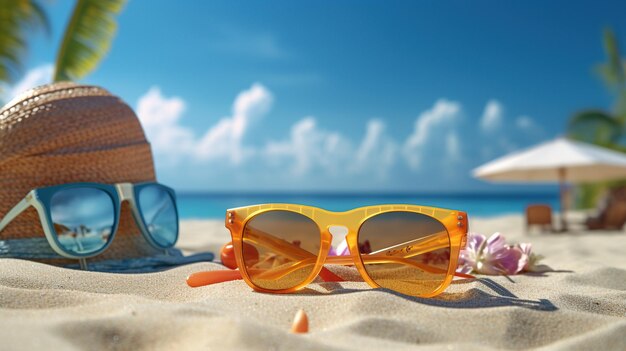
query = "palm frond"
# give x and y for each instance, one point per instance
(595, 126)
(87, 38)
(620, 108)
(612, 71)
(18, 19)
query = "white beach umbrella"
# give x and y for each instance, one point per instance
(561, 160)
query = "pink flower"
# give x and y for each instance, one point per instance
(531, 258)
(492, 256)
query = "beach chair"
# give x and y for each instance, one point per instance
(539, 215)
(611, 215)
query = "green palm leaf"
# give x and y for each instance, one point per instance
(595, 126)
(18, 18)
(613, 71)
(87, 38)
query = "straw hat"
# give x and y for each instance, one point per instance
(66, 133)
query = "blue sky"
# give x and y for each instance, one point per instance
(351, 95)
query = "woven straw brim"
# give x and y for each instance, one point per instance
(65, 133)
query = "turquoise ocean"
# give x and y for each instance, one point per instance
(213, 205)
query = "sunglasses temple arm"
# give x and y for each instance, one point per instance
(16, 211)
(434, 239)
(291, 251)
(278, 245)
(417, 247)
(297, 253)
(278, 272)
(219, 276)
(464, 275)
(212, 277)
(198, 279)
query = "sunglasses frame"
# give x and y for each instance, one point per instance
(455, 222)
(40, 199)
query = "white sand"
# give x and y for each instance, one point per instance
(581, 306)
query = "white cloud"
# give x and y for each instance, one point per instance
(225, 138)
(161, 117)
(313, 154)
(35, 77)
(377, 152)
(309, 147)
(442, 113)
(492, 116)
(156, 110)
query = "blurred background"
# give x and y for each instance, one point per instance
(338, 104)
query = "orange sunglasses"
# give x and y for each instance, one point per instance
(281, 248)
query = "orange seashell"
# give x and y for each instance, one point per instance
(300, 323)
(227, 255)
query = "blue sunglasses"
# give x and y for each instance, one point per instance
(81, 219)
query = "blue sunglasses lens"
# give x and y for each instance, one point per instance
(83, 219)
(158, 210)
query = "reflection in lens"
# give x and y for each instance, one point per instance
(83, 219)
(405, 251)
(159, 214)
(280, 249)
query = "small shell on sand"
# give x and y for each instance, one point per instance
(300, 323)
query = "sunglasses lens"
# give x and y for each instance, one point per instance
(83, 219)
(158, 210)
(280, 249)
(405, 252)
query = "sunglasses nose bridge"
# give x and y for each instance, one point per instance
(339, 231)
(125, 191)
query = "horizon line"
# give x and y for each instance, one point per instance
(365, 193)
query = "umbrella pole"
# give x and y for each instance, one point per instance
(563, 194)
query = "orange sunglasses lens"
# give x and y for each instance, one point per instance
(280, 249)
(405, 251)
